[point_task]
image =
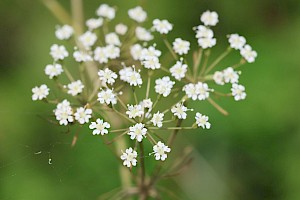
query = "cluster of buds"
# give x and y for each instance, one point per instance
(123, 62)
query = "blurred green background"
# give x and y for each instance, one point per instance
(254, 153)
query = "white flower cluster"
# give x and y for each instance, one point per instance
(228, 75)
(238, 42)
(204, 34)
(123, 59)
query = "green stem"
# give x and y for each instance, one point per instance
(218, 60)
(125, 175)
(58, 11)
(77, 15)
(167, 43)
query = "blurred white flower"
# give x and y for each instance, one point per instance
(151, 62)
(181, 46)
(142, 34)
(82, 56)
(230, 76)
(236, 41)
(40, 92)
(162, 26)
(53, 70)
(209, 18)
(100, 55)
(64, 32)
(121, 29)
(249, 54)
(88, 39)
(58, 52)
(238, 92)
(219, 78)
(106, 11)
(136, 51)
(204, 32)
(93, 23)
(206, 43)
(137, 14)
(113, 39)
(75, 88)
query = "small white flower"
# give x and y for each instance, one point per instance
(142, 34)
(219, 78)
(83, 115)
(53, 70)
(236, 41)
(151, 62)
(134, 78)
(230, 76)
(124, 73)
(205, 43)
(64, 32)
(135, 111)
(181, 46)
(58, 52)
(100, 127)
(178, 70)
(138, 131)
(121, 29)
(209, 18)
(197, 91)
(150, 52)
(202, 121)
(190, 91)
(160, 150)
(238, 92)
(162, 26)
(147, 103)
(64, 113)
(107, 76)
(113, 39)
(112, 51)
(100, 55)
(93, 23)
(248, 53)
(40, 93)
(136, 51)
(107, 96)
(131, 76)
(204, 32)
(164, 86)
(82, 56)
(137, 14)
(75, 88)
(106, 11)
(129, 157)
(202, 90)
(157, 119)
(88, 39)
(179, 110)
